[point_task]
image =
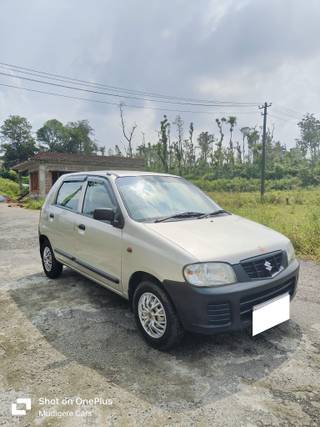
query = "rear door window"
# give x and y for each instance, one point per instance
(69, 195)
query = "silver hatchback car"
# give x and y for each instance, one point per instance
(181, 261)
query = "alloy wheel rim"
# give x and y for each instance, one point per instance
(47, 258)
(152, 315)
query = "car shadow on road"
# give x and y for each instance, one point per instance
(94, 327)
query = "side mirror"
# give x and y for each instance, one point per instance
(104, 215)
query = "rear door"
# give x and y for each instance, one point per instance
(62, 216)
(99, 242)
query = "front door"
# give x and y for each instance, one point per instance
(99, 242)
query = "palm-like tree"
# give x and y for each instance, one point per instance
(232, 121)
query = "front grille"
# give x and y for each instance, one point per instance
(219, 314)
(247, 302)
(263, 266)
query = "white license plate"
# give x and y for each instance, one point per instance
(270, 313)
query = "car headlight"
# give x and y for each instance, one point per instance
(209, 274)
(290, 253)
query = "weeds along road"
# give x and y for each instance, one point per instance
(71, 337)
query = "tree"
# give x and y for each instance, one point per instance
(177, 145)
(245, 131)
(205, 141)
(102, 150)
(144, 151)
(210, 158)
(117, 151)
(190, 155)
(80, 138)
(309, 140)
(239, 152)
(232, 121)
(54, 135)
(162, 147)
(128, 135)
(75, 137)
(219, 149)
(253, 137)
(18, 143)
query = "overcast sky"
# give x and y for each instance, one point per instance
(229, 50)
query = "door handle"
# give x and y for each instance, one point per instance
(81, 226)
(51, 215)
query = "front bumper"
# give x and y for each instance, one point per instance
(228, 307)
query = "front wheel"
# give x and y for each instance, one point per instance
(156, 317)
(51, 266)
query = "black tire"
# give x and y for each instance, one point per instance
(173, 330)
(55, 269)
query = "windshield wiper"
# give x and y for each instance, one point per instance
(219, 211)
(181, 215)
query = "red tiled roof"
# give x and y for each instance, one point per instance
(47, 155)
(92, 159)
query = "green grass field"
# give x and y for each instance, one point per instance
(293, 213)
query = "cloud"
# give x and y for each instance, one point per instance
(238, 50)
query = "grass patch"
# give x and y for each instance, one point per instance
(9, 188)
(33, 203)
(296, 214)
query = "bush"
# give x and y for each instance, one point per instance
(33, 203)
(246, 185)
(9, 174)
(9, 188)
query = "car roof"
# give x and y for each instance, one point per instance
(117, 173)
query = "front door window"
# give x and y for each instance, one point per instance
(98, 196)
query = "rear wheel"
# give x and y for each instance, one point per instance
(51, 266)
(156, 317)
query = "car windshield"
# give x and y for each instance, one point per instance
(156, 197)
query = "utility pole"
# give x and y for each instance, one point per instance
(264, 107)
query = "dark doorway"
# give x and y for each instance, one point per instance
(34, 182)
(56, 174)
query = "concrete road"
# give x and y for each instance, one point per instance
(70, 338)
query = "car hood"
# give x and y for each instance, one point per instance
(229, 238)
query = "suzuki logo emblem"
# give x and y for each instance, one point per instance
(268, 265)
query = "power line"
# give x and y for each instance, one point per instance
(121, 92)
(127, 105)
(96, 92)
(291, 111)
(25, 69)
(293, 114)
(92, 84)
(283, 119)
(282, 112)
(59, 77)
